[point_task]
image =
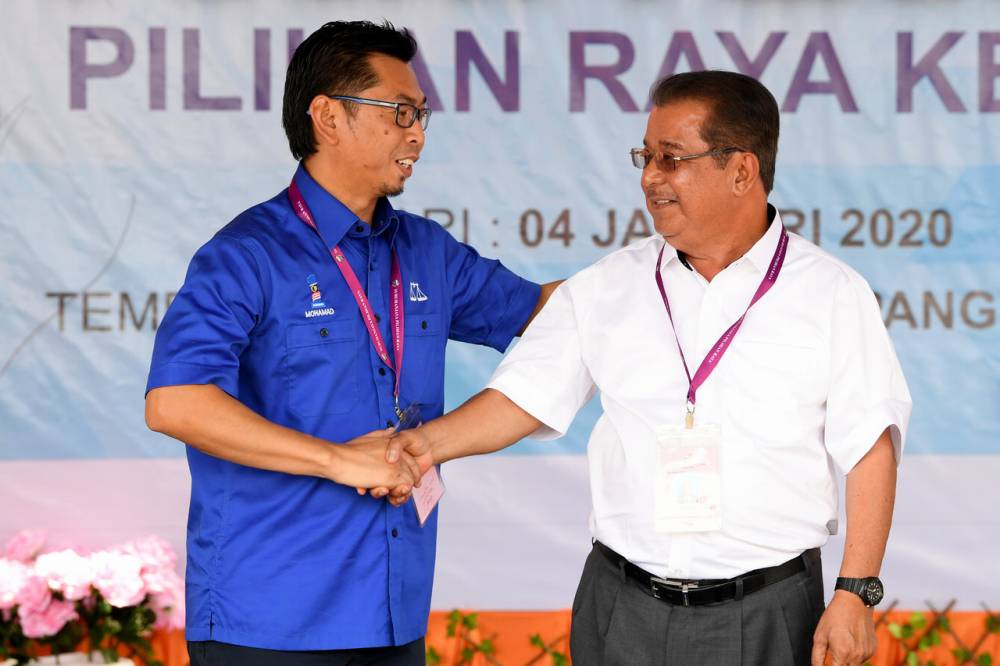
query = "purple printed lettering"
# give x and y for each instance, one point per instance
(468, 52)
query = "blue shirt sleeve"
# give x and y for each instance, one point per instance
(208, 324)
(490, 304)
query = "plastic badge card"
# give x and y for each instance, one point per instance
(431, 489)
(688, 495)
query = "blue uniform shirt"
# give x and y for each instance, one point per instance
(293, 562)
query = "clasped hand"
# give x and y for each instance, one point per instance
(386, 463)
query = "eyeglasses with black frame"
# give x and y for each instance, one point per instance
(406, 114)
(641, 157)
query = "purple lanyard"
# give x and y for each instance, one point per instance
(722, 344)
(395, 296)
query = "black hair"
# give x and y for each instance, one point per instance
(743, 113)
(334, 61)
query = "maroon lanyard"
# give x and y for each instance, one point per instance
(715, 354)
(395, 296)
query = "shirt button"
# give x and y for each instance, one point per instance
(359, 228)
(381, 371)
(389, 423)
(395, 533)
(323, 332)
(423, 325)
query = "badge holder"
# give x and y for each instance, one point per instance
(688, 490)
(431, 489)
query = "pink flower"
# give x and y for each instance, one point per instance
(34, 595)
(47, 622)
(155, 552)
(13, 576)
(66, 572)
(26, 544)
(168, 603)
(118, 577)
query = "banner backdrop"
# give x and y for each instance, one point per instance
(131, 132)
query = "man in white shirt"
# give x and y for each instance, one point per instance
(713, 481)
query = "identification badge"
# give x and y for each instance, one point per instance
(431, 489)
(427, 496)
(688, 495)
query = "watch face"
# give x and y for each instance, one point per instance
(872, 592)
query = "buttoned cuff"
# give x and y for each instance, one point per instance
(178, 374)
(520, 306)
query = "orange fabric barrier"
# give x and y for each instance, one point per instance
(511, 632)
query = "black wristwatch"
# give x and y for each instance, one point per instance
(869, 589)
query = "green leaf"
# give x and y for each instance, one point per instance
(471, 620)
(925, 642)
(895, 630)
(536, 640)
(935, 637)
(454, 618)
(993, 624)
(944, 622)
(468, 654)
(559, 659)
(113, 626)
(985, 659)
(961, 654)
(110, 655)
(917, 620)
(486, 647)
(433, 658)
(907, 631)
(912, 659)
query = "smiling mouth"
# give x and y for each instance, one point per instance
(406, 166)
(661, 202)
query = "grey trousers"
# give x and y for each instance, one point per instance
(616, 622)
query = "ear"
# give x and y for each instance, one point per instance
(327, 119)
(746, 173)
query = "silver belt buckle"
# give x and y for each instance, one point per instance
(676, 584)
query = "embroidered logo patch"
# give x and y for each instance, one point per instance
(416, 295)
(314, 293)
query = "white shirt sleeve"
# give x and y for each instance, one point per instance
(545, 374)
(867, 392)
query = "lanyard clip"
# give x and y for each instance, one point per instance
(689, 417)
(399, 412)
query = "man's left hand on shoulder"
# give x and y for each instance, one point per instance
(846, 632)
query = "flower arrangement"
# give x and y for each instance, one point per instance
(114, 598)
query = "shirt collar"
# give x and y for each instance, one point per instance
(334, 219)
(761, 253)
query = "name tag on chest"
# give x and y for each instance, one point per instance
(688, 486)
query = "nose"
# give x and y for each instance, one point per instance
(652, 175)
(415, 135)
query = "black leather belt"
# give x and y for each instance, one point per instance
(699, 592)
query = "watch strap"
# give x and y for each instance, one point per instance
(855, 586)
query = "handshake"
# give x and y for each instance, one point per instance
(386, 463)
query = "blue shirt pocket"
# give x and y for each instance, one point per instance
(320, 367)
(423, 357)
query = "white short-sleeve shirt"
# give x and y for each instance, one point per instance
(808, 384)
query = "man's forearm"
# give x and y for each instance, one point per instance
(871, 495)
(487, 422)
(212, 421)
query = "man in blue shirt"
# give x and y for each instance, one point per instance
(277, 365)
